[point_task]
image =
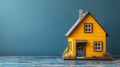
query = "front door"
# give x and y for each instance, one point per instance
(80, 49)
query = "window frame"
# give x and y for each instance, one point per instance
(86, 28)
(101, 46)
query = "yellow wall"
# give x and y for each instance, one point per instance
(98, 34)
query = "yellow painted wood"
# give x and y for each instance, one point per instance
(98, 34)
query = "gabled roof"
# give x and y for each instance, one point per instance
(79, 21)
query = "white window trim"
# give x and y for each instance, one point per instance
(91, 27)
(101, 46)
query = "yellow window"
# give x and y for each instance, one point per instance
(70, 45)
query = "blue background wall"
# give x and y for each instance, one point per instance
(37, 27)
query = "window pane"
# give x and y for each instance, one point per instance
(98, 46)
(81, 48)
(95, 44)
(95, 48)
(88, 27)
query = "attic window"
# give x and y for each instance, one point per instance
(97, 46)
(88, 27)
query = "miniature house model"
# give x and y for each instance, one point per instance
(86, 38)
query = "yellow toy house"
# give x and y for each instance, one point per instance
(86, 38)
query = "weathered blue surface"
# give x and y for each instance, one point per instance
(38, 61)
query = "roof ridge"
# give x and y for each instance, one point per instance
(79, 21)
